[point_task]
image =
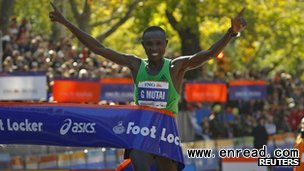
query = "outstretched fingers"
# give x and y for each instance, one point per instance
(55, 15)
(238, 23)
(241, 12)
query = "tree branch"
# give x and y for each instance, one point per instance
(122, 20)
(172, 19)
(86, 9)
(104, 21)
(74, 9)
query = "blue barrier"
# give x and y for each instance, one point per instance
(111, 158)
(281, 168)
(95, 159)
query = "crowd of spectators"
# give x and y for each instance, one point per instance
(282, 109)
(24, 51)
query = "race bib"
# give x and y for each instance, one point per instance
(153, 93)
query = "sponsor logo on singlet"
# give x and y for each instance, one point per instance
(153, 93)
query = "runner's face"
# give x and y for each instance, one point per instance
(154, 43)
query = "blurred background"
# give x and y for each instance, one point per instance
(258, 75)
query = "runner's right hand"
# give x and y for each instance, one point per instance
(56, 15)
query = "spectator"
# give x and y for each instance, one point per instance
(270, 126)
(206, 132)
(237, 127)
(259, 133)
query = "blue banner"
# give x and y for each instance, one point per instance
(117, 92)
(7, 74)
(247, 92)
(131, 127)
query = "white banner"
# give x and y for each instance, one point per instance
(23, 87)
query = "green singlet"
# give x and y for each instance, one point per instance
(156, 90)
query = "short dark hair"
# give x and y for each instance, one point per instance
(153, 28)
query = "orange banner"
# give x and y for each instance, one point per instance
(64, 160)
(247, 82)
(116, 81)
(17, 162)
(76, 91)
(78, 160)
(205, 92)
(31, 162)
(48, 162)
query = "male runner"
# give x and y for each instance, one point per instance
(167, 74)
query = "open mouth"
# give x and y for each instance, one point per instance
(154, 54)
